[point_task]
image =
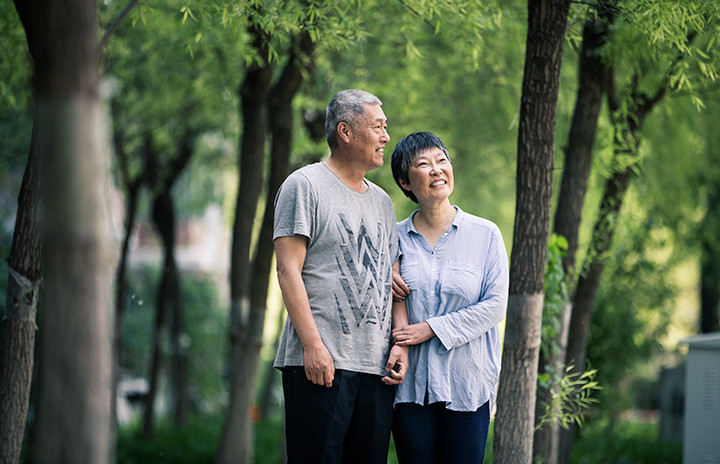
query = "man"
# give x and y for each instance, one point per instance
(336, 241)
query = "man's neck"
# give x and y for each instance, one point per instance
(353, 178)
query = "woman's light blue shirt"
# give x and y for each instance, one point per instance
(460, 288)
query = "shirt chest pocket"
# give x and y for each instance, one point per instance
(461, 281)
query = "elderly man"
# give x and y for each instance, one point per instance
(336, 241)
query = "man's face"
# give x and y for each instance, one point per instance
(368, 136)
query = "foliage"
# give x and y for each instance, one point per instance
(571, 398)
(568, 394)
(15, 118)
(195, 444)
(204, 320)
(667, 43)
(556, 295)
(628, 442)
(14, 60)
(634, 304)
(162, 91)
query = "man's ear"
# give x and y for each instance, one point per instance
(343, 130)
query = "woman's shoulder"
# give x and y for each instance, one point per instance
(406, 223)
(476, 221)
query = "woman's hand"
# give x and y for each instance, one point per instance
(412, 334)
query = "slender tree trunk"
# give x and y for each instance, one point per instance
(247, 348)
(265, 401)
(19, 322)
(236, 442)
(148, 423)
(73, 404)
(132, 192)
(625, 152)
(710, 262)
(168, 296)
(518, 379)
(592, 79)
(281, 127)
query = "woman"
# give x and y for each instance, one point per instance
(456, 269)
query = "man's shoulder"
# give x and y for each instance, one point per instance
(306, 173)
(377, 190)
(302, 179)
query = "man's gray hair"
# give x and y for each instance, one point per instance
(346, 106)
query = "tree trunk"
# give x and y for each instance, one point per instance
(148, 423)
(265, 401)
(592, 79)
(168, 296)
(710, 262)
(280, 118)
(132, 192)
(18, 324)
(73, 403)
(169, 299)
(518, 379)
(625, 153)
(236, 442)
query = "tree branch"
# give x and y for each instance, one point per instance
(113, 27)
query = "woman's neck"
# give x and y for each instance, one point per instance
(437, 215)
(432, 221)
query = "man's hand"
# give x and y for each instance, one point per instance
(412, 334)
(319, 366)
(400, 289)
(396, 365)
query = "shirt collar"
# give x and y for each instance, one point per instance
(455, 223)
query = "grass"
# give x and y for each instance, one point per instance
(628, 442)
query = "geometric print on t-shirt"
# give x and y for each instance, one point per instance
(363, 276)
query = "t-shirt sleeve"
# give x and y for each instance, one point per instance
(294, 207)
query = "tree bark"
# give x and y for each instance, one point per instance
(19, 322)
(168, 295)
(592, 77)
(73, 402)
(132, 191)
(710, 262)
(516, 394)
(625, 153)
(236, 442)
(280, 120)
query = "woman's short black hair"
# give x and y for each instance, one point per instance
(405, 152)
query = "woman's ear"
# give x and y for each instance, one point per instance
(404, 185)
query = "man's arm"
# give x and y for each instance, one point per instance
(397, 363)
(290, 255)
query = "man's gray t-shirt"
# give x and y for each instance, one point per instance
(352, 244)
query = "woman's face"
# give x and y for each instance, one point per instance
(430, 176)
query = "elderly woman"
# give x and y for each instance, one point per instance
(454, 281)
